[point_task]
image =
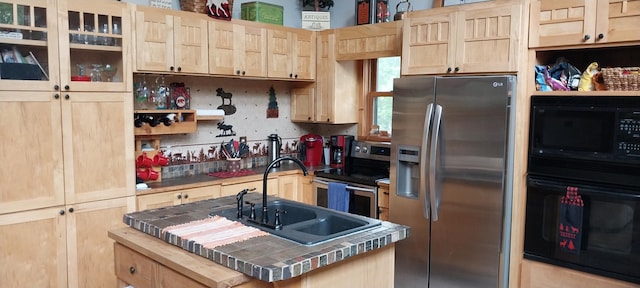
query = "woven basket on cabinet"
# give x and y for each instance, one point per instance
(622, 78)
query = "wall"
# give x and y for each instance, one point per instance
(251, 99)
(342, 13)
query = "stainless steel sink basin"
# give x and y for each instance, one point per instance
(302, 223)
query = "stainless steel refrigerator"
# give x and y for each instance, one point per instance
(451, 150)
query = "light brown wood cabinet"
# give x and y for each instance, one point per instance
(371, 41)
(65, 245)
(253, 186)
(383, 202)
(171, 198)
(69, 178)
(333, 98)
(578, 22)
(307, 194)
(291, 53)
(541, 275)
(471, 38)
(170, 41)
(237, 48)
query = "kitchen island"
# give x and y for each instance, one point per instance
(144, 259)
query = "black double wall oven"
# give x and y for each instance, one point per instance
(583, 184)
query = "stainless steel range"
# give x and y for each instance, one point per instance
(366, 163)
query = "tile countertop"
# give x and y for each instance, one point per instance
(268, 258)
(202, 180)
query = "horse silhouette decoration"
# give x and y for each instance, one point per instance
(229, 109)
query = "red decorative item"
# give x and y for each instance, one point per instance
(570, 222)
(220, 9)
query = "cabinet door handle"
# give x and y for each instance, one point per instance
(179, 196)
(385, 193)
(132, 270)
(171, 68)
(587, 37)
(71, 210)
(456, 69)
(243, 72)
(296, 76)
(61, 212)
(449, 70)
(237, 72)
(186, 196)
(66, 96)
(66, 87)
(290, 75)
(179, 68)
(600, 36)
(56, 96)
(56, 87)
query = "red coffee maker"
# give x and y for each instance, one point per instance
(311, 150)
(340, 149)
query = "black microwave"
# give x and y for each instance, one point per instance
(583, 184)
(586, 137)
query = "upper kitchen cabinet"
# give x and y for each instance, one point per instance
(170, 41)
(472, 38)
(237, 48)
(291, 53)
(578, 22)
(69, 45)
(368, 41)
(333, 98)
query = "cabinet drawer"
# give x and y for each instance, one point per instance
(134, 268)
(169, 278)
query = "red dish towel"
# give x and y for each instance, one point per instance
(213, 232)
(570, 218)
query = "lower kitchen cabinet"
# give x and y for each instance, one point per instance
(61, 246)
(541, 275)
(253, 186)
(171, 198)
(306, 193)
(383, 202)
(288, 187)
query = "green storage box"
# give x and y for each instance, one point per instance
(262, 12)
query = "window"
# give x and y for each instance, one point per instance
(382, 73)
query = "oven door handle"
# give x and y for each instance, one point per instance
(348, 186)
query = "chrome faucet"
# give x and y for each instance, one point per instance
(265, 215)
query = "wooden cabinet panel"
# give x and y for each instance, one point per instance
(89, 251)
(303, 102)
(171, 41)
(291, 54)
(237, 49)
(577, 22)
(134, 268)
(427, 46)
(31, 174)
(98, 136)
(288, 187)
(34, 248)
(368, 41)
(473, 38)
(307, 194)
(253, 186)
(171, 198)
(168, 278)
(541, 275)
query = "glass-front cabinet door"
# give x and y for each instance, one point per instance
(71, 45)
(94, 43)
(28, 45)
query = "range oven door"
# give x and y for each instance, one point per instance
(607, 241)
(363, 201)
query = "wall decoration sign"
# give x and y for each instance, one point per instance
(229, 109)
(161, 3)
(363, 12)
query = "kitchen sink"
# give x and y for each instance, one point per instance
(302, 223)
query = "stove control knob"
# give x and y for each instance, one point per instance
(364, 149)
(357, 148)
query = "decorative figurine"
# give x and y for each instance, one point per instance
(229, 109)
(272, 110)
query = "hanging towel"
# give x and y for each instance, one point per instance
(338, 197)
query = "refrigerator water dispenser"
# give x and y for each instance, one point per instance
(408, 170)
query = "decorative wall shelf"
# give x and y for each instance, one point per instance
(184, 121)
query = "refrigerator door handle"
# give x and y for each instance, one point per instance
(423, 160)
(433, 153)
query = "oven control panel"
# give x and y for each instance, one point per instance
(371, 150)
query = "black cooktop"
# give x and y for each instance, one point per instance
(343, 176)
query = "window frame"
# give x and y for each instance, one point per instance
(369, 77)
